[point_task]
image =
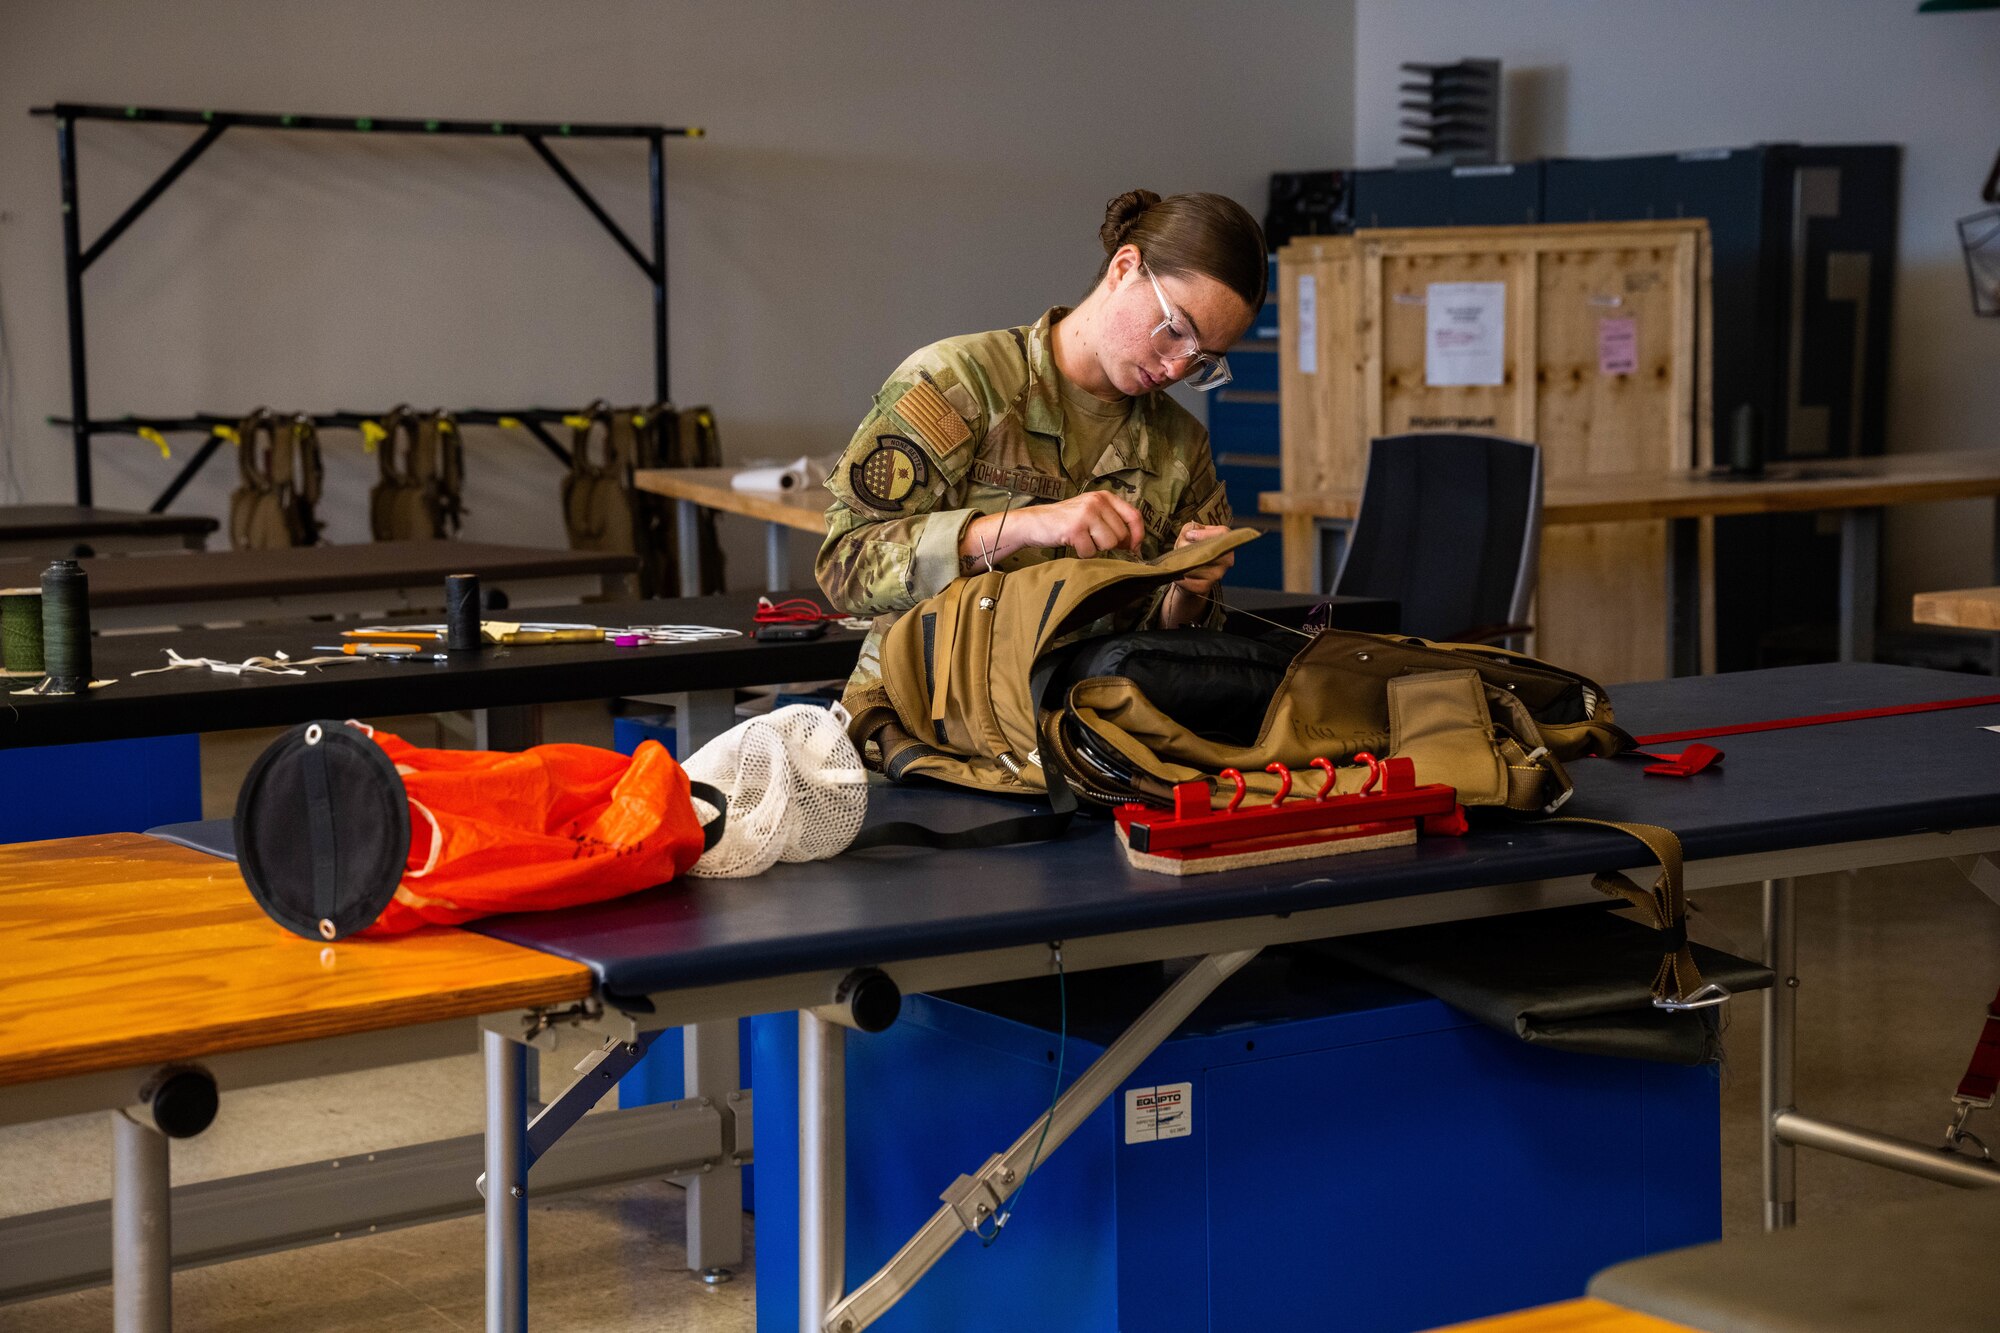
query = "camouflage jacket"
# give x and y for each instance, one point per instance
(970, 426)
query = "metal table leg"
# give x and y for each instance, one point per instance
(1780, 1030)
(1860, 578)
(1684, 597)
(686, 529)
(777, 557)
(142, 1292)
(1995, 638)
(515, 727)
(822, 1168)
(700, 716)
(715, 1197)
(506, 1185)
(978, 1202)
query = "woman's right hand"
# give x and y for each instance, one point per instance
(1088, 524)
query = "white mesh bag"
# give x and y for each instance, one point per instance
(796, 788)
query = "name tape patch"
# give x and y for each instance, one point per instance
(1020, 480)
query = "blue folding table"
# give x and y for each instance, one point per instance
(820, 938)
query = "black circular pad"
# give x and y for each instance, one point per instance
(323, 830)
(873, 999)
(184, 1103)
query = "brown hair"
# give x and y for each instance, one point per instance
(1209, 234)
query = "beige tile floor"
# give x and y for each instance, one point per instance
(1897, 967)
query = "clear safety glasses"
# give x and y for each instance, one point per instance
(1174, 340)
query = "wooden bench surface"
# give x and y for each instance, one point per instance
(803, 509)
(122, 950)
(1964, 608)
(292, 571)
(1579, 1316)
(1847, 483)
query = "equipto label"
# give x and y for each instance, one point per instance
(1165, 1112)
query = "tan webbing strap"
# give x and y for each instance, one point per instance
(308, 465)
(250, 467)
(1665, 906)
(399, 440)
(944, 637)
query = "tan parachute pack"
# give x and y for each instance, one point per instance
(958, 700)
(604, 511)
(280, 476)
(422, 464)
(970, 694)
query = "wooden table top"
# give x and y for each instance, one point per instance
(1964, 608)
(292, 571)
(1586, 1315)
(804, 509)
(122, 950)
(28, 522)
(1848, 483)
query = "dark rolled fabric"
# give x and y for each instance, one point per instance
(1570, 978)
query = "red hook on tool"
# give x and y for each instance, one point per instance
(1324, 765)
(1284, 782)
(1374, 771)
(1241, 786)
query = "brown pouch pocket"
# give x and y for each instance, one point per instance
(1438, 721)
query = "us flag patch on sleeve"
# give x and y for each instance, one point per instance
(924, 407)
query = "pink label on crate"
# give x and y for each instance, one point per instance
(1617, 346)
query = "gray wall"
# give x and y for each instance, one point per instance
(1599, 77)
(877, 175)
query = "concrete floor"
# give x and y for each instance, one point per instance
(1896, 966)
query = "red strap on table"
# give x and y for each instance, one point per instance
(1816, 720)
(1982, 1076)
(1685, 764)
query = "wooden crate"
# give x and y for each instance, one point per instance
(1602, 604)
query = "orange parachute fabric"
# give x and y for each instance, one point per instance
(551, 826)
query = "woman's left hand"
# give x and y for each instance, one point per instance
(1189, 601)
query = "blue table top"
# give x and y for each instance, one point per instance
(1774, 791)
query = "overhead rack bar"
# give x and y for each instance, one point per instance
(535, 420)
(262, 120)
(78, 257)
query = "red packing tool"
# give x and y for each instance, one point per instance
(1193, 839)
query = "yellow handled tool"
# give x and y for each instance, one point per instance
(388, 636)
(519, 636)
(372, 649)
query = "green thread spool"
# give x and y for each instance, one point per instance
(21, 631)
(66, 627)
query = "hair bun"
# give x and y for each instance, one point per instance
(1121, 214)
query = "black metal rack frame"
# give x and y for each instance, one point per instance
(78, 257)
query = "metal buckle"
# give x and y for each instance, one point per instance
(1707, 997)
(1956, 1133)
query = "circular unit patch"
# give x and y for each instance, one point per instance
(891, 470)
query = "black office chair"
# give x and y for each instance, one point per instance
(1450, 526)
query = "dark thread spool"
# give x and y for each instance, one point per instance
(66, 627)
(21, 631)
(461, 613)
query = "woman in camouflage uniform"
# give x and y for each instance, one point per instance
(1055, 438)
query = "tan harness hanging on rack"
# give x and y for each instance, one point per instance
(422, 464)
(281, 478)
(597, 493)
